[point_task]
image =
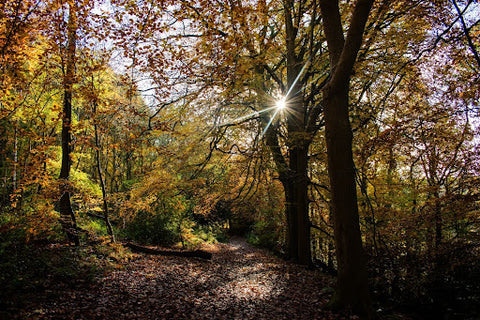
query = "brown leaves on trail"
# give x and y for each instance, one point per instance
(240, 282)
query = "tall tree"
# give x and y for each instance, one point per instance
(99, 166)
(295, 181)
(352, 284)
(64, 205)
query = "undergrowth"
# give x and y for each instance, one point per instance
(30, 270)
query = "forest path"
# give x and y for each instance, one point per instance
(240, 282)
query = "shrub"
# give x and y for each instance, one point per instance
(152, 228)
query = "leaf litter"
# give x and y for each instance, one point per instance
(240, 282)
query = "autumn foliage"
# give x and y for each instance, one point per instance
(175, 139)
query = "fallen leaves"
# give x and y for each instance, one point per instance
(241, 282)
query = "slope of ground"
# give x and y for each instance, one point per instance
(240, 282)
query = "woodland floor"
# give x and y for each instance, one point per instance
(240, 282)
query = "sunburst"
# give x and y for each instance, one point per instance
(280, 105)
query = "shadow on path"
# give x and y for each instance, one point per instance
(240, 282)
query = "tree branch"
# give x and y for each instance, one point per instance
(353, 41)
(332, 26)
(466, 31)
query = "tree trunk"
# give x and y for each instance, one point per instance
(390, 172)
(298, 222)
(128, 164)
(100, 178)
(67, 216)
(352, 284)
(295, 183)
(298, 143)
(434, 183)
(299, 203)
(114, 171)
(438, 220)
(15, 158)
(290, 212)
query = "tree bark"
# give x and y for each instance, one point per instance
(293, 176)
(298, 187)
(352, 284)
(67, 216)
(298, 144)
(352, 281)
(293, 172)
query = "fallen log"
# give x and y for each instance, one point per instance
(189, 254)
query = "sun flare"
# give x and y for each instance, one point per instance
(281, 104)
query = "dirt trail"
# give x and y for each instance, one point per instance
(240, 282)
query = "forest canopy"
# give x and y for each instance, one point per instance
(341, 135)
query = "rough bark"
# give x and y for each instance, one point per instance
(67, 216)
